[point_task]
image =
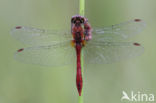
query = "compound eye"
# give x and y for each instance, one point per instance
(73, 20)
(82, 20)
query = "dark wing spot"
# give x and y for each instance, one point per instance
(137, 20)
(136, 44)
(18, 27)
(20, 50)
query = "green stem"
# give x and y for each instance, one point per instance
(82, 7)
(82, 13)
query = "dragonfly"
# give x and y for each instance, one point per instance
(62, 47)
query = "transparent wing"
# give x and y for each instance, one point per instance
(108, 52)
(34, 36)
(119, 31)
(51, 55)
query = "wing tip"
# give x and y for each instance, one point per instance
(137, 20)
(140, 21)
(136, 44)
(15, 28)
(18, 27)
(20, 50)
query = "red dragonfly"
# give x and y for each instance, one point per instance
(57, 47)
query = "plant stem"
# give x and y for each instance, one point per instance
(82, 7)
(82, 13)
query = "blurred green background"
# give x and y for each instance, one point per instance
(26, 83)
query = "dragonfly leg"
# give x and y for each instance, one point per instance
(72, 43)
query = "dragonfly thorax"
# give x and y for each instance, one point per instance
(81, 30)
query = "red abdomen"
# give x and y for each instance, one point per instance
(79, 81)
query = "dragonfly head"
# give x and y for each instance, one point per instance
(77, 20)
